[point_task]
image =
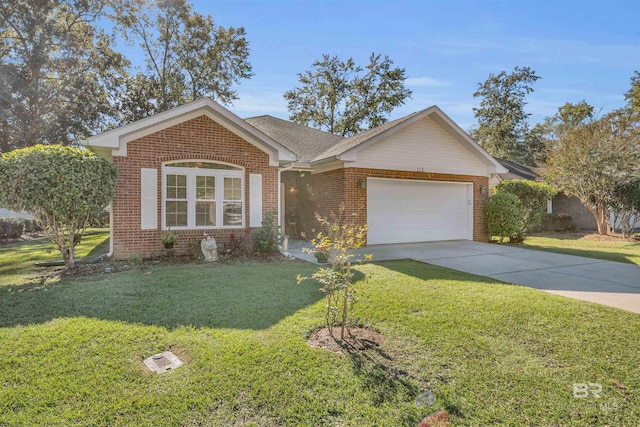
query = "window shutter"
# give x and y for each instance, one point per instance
(148, 199)
(255, 200)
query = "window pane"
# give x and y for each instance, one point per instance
(205, 187)
(176, 187)
(232, 189)
(232, 213)
(176, 214)
(205, 213)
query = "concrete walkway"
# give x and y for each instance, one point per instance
(609, 283)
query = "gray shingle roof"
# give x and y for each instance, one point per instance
(517, 170)
(306, 142)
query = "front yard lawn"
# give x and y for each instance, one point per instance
(17, 260)
(587, 245)
(492, 353)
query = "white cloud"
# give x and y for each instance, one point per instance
(425, 81)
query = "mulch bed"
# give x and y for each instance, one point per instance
(609, 238)
(110, 266)
(590, 236)
(358, 339)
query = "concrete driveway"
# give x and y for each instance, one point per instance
(604, 282)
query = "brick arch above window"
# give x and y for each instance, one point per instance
(203, 158)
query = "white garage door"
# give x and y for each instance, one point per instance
(418, 211)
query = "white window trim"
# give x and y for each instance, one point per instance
(191, 174)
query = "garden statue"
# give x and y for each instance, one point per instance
(209, 248)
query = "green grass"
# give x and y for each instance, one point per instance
(620, 250)
(493, 354)
(17, 260)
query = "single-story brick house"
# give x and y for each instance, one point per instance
(200, 168)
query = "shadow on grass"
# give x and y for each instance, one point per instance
(242, 296)
(426, 271)
(386, 381)
(595, 254)
(101, 249)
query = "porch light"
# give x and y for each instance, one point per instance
(362, 184)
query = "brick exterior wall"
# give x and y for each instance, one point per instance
(324, 192)
(197, 139)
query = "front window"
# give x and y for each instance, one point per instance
(176, 205)
(232, 204)
(203, 195)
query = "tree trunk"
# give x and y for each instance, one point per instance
(600, 215)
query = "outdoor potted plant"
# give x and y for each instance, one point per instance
(322, 255)
(168, 239)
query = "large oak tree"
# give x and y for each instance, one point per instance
(186, 56)
(503, 129)
(343, 98)
(56, 72)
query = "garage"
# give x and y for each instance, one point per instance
(400, 211)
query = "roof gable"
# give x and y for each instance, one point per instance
(348, 149)
(114, 142)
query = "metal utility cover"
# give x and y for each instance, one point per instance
(162, 362)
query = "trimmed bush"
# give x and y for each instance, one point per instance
(64, 188)
(557, 222)
(533, 196)
(504, 214)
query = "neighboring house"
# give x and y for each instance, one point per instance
(561, 203)
(6, 213)
(199, 168)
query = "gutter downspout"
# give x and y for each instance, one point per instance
(110, 254)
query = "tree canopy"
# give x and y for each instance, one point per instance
(63, 79)
(187, 56)
(503, 129)
(633, 95)
(62, 187)
(591, 159)
(343, 98)
(54, 62)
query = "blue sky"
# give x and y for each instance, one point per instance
(581, 49)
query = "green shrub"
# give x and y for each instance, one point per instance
(240, 246)
(11, 228)
(504, 214)
(64, 188)
(30, 225)
(194, 249)
(268, 237)
(533, 196)
(134, 260)
(557, 222)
